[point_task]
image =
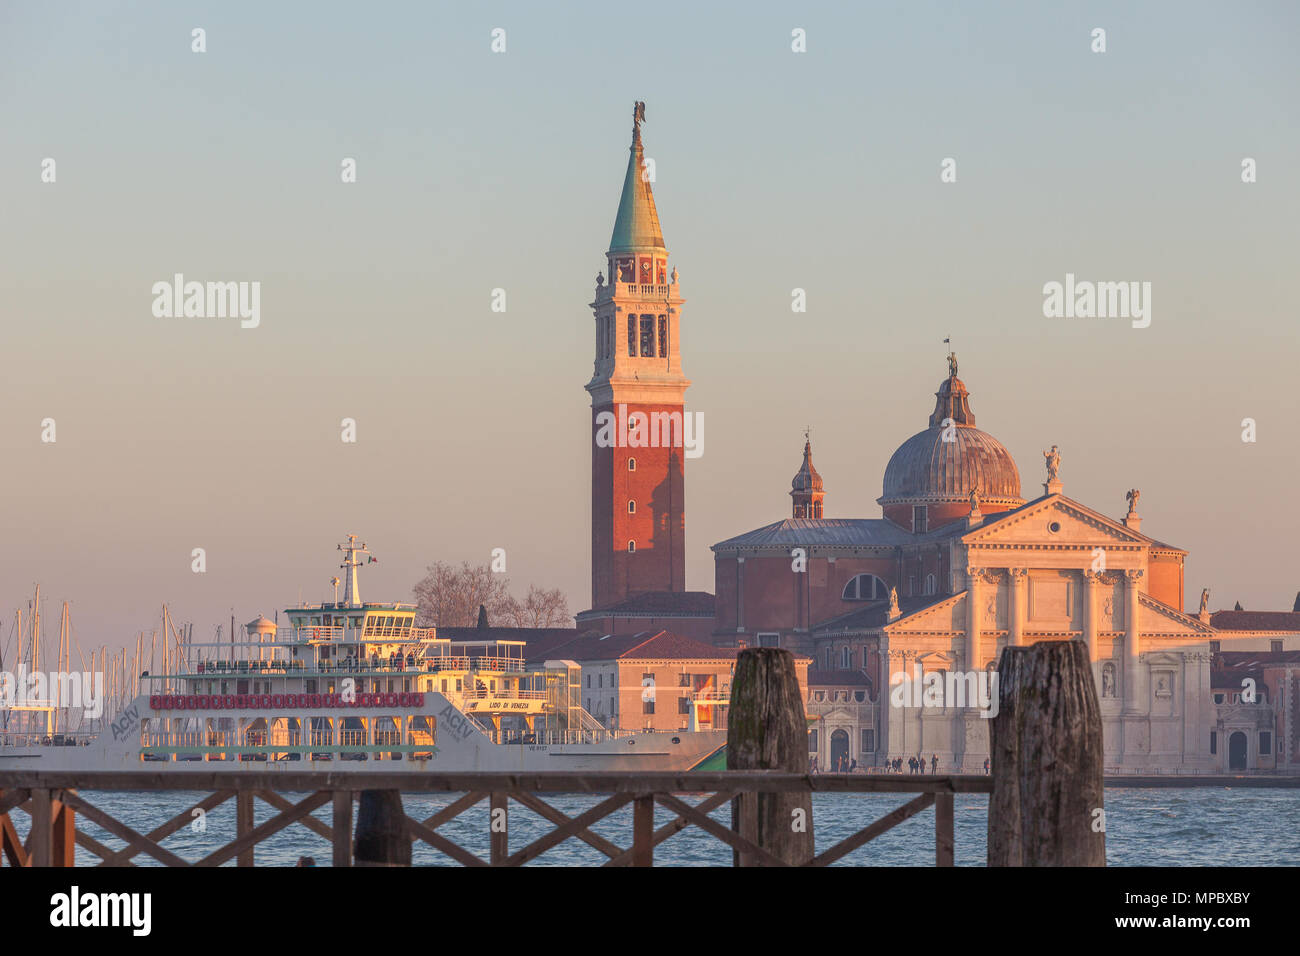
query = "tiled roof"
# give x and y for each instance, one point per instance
(658, 604)
(850, 678)
(643, 645)
(1256, 658)
(876, 613)
(1256, 620)
(821, 532)
(530, 634)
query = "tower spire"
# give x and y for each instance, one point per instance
(636, 227)
(806, 488)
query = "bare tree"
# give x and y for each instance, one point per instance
(450, 597)
(544, 607)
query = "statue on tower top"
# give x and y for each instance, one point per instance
(638, 117)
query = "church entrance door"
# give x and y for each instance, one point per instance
(839, 751)
(1237, 751)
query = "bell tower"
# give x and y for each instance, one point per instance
(638, 394)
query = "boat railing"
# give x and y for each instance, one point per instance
(513, 665)
(715, 696)
(46, 740)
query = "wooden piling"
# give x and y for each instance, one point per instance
(767, 730)
(1047, 805)
(382, 839)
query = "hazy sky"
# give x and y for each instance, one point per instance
(774, 169)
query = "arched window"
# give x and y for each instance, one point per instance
(845, 656)
(631, 547)
(631, 464)
(631, 507)
(866, 587)
(929, 584)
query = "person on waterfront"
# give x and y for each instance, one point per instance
(934, 763)
(911, 765)
(986, 766)
(853, 764)
(920, 764)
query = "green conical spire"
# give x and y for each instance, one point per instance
(636, 229)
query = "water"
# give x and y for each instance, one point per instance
(1205, 826)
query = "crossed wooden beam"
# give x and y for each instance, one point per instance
(53, 832)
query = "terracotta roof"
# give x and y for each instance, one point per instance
(850, 678)
(1255, 658)
(658, 604)
(1256, 620)
(643, 645)
(538, 640)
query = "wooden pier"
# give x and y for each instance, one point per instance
(56, 805)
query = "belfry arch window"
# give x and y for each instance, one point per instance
(663, 336)
(631, 464)
(647, 336)
(631, 336)
(866, 587)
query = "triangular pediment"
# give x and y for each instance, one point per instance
(1076, 526)
(1159, 619)
(942, 618)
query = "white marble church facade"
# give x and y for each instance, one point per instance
(1056, 570)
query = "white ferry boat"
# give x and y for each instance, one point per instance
(355, 682)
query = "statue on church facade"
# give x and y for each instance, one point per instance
(974, 500)
(1205, 600)
(1053, 459)
(1133, 496)
(893, 602)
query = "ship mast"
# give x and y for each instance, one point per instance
(351, 590)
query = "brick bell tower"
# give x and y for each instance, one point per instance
(638, 394)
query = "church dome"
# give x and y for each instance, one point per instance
(926, 469)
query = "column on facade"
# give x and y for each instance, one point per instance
(740, 594)
(974, 594)
(1019, 595)
(1090, 581)
(1131, 578)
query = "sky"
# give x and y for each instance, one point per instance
(480, 170)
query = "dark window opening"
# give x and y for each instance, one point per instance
(631, 336)
(647, 336)
(663, 336)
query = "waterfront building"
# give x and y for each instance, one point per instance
(656, 680)
(958, 567)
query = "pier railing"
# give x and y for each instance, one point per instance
(55, 803)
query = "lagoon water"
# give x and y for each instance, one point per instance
(1204, 826)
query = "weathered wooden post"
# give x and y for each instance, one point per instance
(381, 839)
(767, 730)
(1046, 808)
